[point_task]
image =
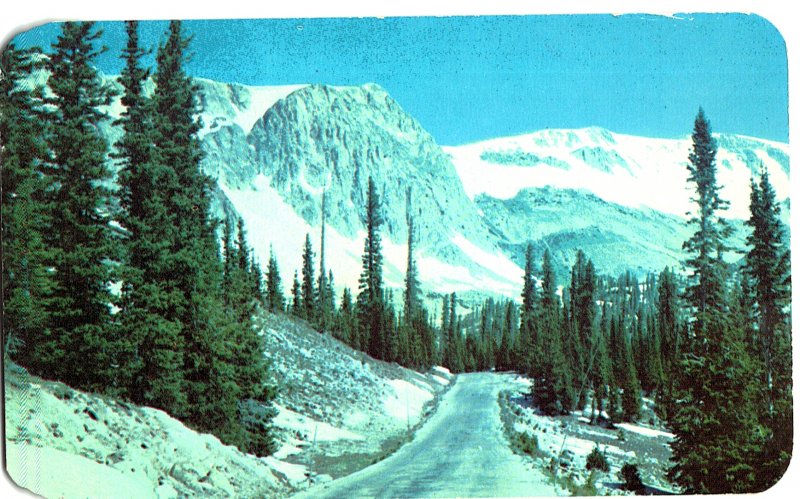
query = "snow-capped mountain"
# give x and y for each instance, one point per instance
(322, 138)
(627, 170)
(620, 198)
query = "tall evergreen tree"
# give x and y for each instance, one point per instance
(274, 293)
(152, 359)
(210, 369)
(297, 299)
(553, 389)
(767, 266)
(27, 283)
(411, 294)
(705, 293)
(308, 292)
(324, 292)
(530, 354)
(83, 346)
(370, 297)
(715, 421)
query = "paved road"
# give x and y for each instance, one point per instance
(459, 452)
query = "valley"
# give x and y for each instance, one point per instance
(228, 290)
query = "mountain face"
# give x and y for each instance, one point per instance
(622, 199)
(637, 172)
(617, 238)
(335, 138)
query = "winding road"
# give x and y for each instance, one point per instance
(459, 452)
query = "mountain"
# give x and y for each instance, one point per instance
(617, 238)
(324, 138)
(622, 199)
(636, 172)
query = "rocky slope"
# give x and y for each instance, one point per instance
(338, 411)
(65, 443)
(273, 150)
(617, 238)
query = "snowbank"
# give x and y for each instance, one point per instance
(643, 430)
(407, 401)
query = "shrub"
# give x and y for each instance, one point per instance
(630, 475)
(596, 460)
(528, 444)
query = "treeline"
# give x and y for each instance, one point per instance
(125, 291)
(600, 341)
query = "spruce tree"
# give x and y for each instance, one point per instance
(324, 294)
(308, 293)
(767, 266)
(27, 284)
(211, 371)
(297, 300)
(717, 431)
(347, 321)
(83, 346)
(553, 388)
(370, 297)
(274, 293)
(152, 359)
(411, 294)
(705, 293)
(530, 354)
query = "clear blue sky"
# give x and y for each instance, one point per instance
(471, 78)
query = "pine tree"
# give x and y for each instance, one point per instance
(530, 355)
(706, 291)
(628, 380)
(296, 296)
(553, 389)
(767, 266)
(210, 361)
(83, 346)
(370, 297)
(411, 295)
(27, 284)
(152, 360)
(308, 293)
(275, 299)
(717, 431)
(347, 321)
(667, 319)
(249, 368)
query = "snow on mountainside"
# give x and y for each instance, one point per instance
(339, 411)
(632, 171)
(333, 139)
(616, 237)
(273, 150)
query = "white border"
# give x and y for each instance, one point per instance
(20, 15)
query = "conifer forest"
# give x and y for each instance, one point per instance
(136, 269)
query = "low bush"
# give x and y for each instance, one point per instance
(631, 478)
(596, 460)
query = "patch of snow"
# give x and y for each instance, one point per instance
(322, 432)
(55, 473)
(644, 172)
(295, 473)
(643, 430)
(407, 400)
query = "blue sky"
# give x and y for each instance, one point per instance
(471, 78)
